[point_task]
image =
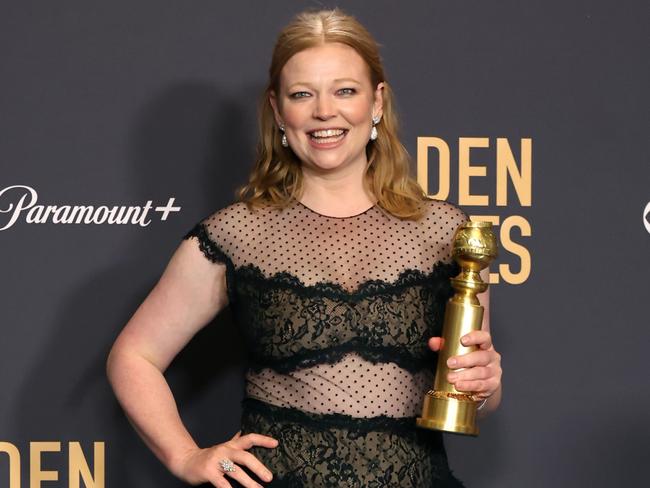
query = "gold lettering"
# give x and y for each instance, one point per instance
(521, 179)
(509, 171)
(14, 463)
(78, 466)
(466, 171)
(36, 475)
(517, 249)
(444, 161)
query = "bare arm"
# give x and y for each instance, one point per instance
(189, 294)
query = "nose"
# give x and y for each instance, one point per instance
(324, 108)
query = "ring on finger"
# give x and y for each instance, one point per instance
(227, 465)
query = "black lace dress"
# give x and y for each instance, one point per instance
(337, 312)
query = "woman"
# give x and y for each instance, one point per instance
(336, 266)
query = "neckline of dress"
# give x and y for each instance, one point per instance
(331, 216)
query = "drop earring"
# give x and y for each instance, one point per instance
(284, 141)
(373, 131)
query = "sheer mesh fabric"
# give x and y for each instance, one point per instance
(361, 389)
(336, 312)
(344, 251)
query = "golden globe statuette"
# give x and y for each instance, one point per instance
(445, 408)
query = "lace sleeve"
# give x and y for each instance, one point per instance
(213, 251)
(208, 247)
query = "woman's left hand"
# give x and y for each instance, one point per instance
(483, 374)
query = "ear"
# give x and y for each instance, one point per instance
(378, 104)
(274, 104)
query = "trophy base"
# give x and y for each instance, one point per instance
(449, 414)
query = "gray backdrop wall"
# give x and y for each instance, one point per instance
(124, 103)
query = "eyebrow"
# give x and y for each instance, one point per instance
(338, 80)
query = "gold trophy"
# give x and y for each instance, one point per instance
(445, 408)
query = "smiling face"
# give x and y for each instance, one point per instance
(326, 102)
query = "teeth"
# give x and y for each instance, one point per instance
(327, 133)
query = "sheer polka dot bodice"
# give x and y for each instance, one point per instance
(361, 389)
(345, 251)
(336, 311)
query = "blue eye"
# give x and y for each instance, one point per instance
(300, 94)
(347, 91)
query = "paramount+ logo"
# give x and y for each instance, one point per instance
(646, 217)
(20, 203)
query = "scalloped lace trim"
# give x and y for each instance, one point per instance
(213, 252)
(332, 355)
(325, 421)
(283, 279)
(251, 274)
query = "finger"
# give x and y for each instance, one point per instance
(255, 465)
(238, 473)
(476, 386)
(220, 482)
(435, 343)
(474, 358)
(243, 479)
(249, 440)
(476, 373)
(481, 338)
(237, 435)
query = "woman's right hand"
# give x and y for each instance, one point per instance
(202, 465)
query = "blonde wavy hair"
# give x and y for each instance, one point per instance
(276, 179)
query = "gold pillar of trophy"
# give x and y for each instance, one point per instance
(445, 408)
